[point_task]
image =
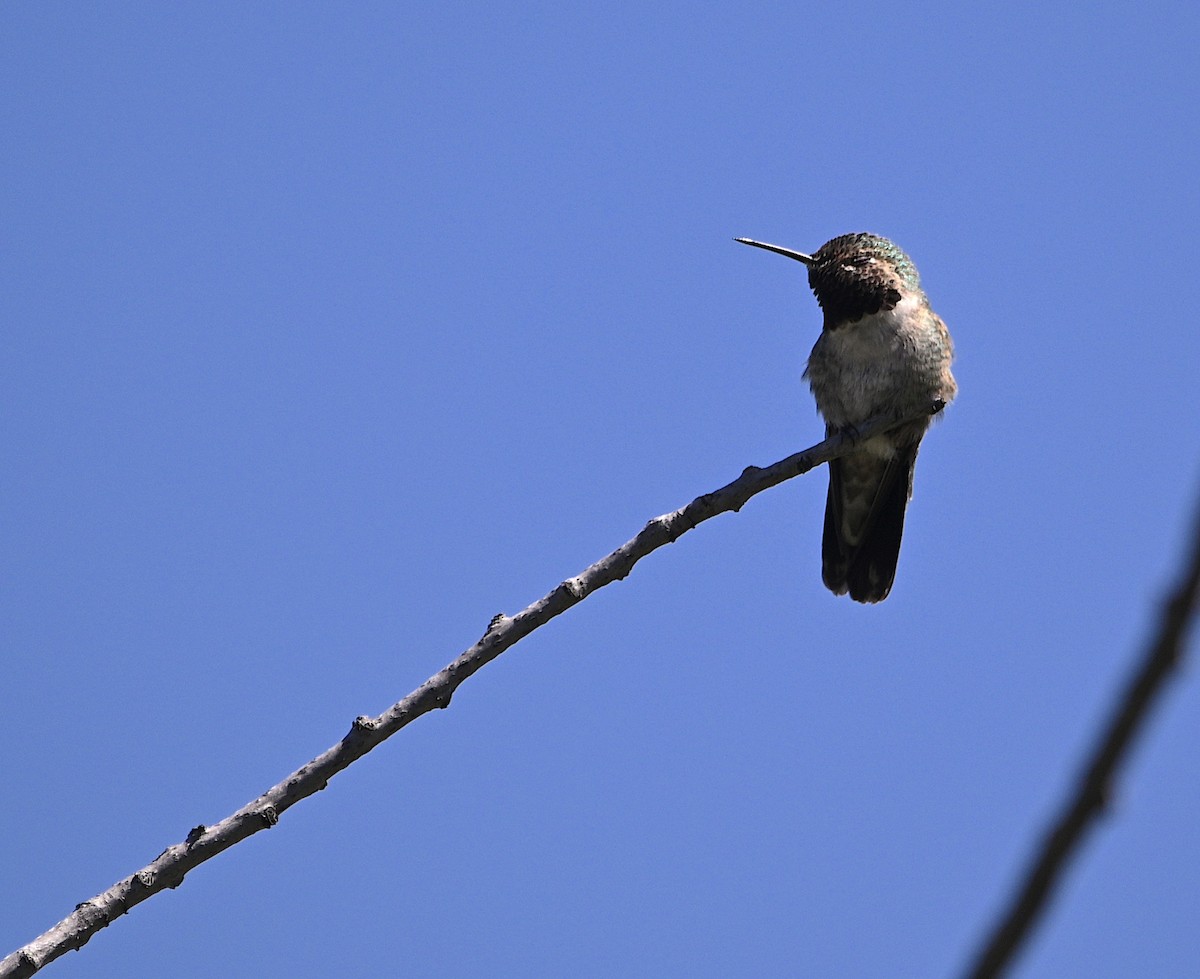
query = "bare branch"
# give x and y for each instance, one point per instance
(1093, 789)
(205, 842)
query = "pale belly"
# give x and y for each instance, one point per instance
(893, 361)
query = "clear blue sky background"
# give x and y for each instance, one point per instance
(331, 330)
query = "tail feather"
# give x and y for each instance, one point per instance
(864, 522)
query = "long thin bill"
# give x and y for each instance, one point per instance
(778, 250)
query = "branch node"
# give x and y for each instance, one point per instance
(195, 834)
(492, 632)
(269, 816)
(363, 725)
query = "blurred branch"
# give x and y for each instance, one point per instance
(205, 842)
(1093, 790)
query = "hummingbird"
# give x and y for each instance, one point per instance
(882, 349)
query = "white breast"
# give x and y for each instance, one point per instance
(866, 367)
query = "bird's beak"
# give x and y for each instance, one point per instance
(778, 250)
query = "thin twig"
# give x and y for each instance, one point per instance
(1093, 790)
(205, 842)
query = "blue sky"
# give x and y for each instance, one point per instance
(333, 330)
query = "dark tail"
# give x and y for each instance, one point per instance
(864, 522)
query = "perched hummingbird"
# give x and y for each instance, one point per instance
(882, 349)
